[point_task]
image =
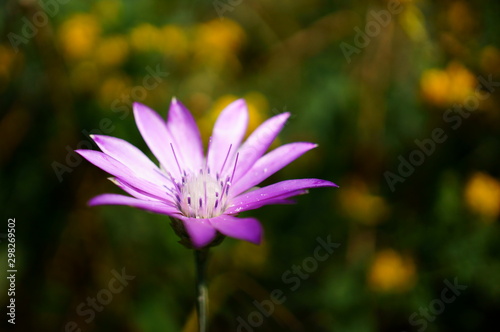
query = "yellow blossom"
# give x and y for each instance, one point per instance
(360, 205)
(391, 272)
(217, 42)
(482, 194)
(446, 87)
(225, 36)
(79, 35)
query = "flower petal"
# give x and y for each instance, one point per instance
(248, 229)
(186, 135)
(228, 132)
(270, 164)
(114, 167)
(137, 193)
(281, 190)
(200, 231)
(154, 131)
(152, 206)
(278, 200)
(258, 143)
(130, 156)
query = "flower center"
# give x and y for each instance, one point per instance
(202, 195)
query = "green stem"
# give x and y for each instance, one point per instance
(201, 288)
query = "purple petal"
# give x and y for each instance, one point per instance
(270, 164)
(138, 193)
(154, 131)
(186, 135)
(281, 190)
(130, 156)
(228, 132)
(200, 231)
(248, 229)
(152, 206)
(278, 200)
(258, 143)
(114, 167)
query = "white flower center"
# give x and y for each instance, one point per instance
(202, 195)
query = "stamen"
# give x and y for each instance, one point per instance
(162, 173)
(202, 195)
(177, 161)
(205, 190)
(223, 185)
(227, 156)
(235, 163)
(170, 192)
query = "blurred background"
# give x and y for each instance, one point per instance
(403, 99)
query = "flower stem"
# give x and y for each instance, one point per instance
(201, 288)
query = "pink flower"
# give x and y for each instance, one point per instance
(202, 194)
